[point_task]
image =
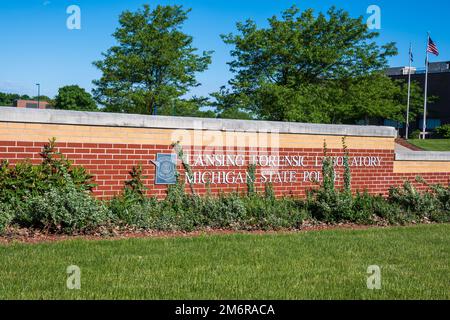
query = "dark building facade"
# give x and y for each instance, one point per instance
(438, 113)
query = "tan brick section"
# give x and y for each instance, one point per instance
(421, 166)
(109, 153)
(93, 134)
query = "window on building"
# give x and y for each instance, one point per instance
(392, 123)
(30, 105)
(431, 123)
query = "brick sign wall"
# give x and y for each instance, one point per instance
(219, 153)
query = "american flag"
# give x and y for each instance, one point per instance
(432, 48)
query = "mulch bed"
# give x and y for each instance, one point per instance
(408, 145)
(20, 235)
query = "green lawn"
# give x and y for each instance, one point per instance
(328, 264)
(432, 144)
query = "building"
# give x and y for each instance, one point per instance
(32, 104)
(438, 113)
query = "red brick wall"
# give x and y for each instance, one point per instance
(23, 104)
(111, 163)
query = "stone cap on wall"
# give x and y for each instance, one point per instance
(422, 156)
(11, 114)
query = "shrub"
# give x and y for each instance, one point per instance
(364, 208)
(132, 208)
(25, 180)
(65, 209)
(268, 213)
(6, 216)
(225, 211)
(415, 134)
(416, 205)
(444, 131)
(328, 204)
(125, 211)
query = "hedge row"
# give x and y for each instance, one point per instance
(55, 196)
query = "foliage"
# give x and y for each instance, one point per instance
(433, 204)
(7, 99)
(444, 131)
(130, 210)
(347, 171)
(231, 105)
(324, 68)
(403, 205)
(6, 215)
(152, 66)
(136, 184)
(251, 178)
(64, 209)
(415, 134)
(74, 98)
(187, 168)
(54, 196)
(55, 171)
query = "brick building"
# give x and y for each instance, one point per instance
(32, 104)
(438, 113)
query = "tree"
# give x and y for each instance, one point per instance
(7, 99)
(230, 105)
(302, 67)
(43, 98)
(152, 66)
(74, 97)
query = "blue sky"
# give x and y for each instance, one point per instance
(36, 46)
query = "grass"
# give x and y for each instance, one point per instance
(329, 264)
(432, 144)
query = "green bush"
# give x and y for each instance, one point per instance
(132, 207)
(25, 180)
(415, 134)
(266, 213)
(444, 131)
(65, 209)
(125, 211)
(416, 205)
(6, 216)
(390, 213)
(187, 212)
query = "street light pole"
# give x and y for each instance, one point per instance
(39, 93)
(409, 92)
(426, 92)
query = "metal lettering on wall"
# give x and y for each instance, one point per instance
(273, 168)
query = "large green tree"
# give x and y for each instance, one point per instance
(74, 97)
(314, 68)
(153, 64)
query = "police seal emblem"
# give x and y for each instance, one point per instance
(165, 168)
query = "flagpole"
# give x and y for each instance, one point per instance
(426, 92)
(409, 91)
